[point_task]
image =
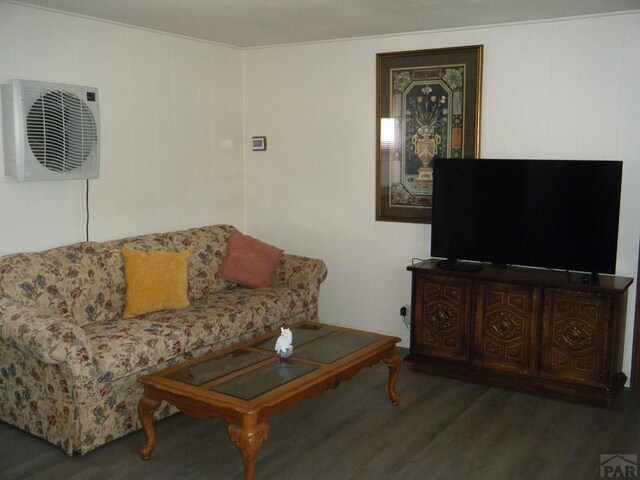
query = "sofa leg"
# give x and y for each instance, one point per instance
(146, 407)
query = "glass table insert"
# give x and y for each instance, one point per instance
(253, 370)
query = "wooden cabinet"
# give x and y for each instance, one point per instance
(531, 330)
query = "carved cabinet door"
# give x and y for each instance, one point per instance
(506, 328)
(442, 317)
(575, 337)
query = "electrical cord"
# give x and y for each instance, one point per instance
(407, 322)
(87, 209)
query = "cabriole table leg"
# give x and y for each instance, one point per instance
(146, 407)
(248, 438)
(393, 362)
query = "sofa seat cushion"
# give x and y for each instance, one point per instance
(127, 346)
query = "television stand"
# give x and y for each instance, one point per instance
(531, 330)
(457, 266)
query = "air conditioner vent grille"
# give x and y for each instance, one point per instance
(61, 130)
(50, 131)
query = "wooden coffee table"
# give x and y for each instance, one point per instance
(247, 383)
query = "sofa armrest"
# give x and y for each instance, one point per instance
(47, 338)
(304, 273)
(299, 272)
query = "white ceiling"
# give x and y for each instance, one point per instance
(251, 23)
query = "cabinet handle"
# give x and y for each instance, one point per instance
(573, 335)
(440, 319)
(502, 327)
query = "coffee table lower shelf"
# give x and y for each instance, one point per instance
(247, 383)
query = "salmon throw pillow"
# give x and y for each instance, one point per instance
(249, 261)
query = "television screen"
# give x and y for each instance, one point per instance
(560, 214)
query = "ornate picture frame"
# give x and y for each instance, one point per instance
(428, 105)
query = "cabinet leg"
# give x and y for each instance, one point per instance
(146, 407)
(248, 438)
(393, 362)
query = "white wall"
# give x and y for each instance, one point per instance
(172, 130)
(564, 89)
(171, 115)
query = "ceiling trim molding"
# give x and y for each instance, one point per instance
(449, 30)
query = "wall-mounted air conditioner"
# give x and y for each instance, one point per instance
(50, 131)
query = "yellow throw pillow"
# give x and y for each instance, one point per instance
(154, 281)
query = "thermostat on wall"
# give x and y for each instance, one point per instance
(258, 143)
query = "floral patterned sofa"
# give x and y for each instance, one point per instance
(69, 362)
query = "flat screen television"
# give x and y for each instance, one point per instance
(558, 214)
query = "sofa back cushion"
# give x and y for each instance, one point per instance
(85, 282)
(207, 244)
(69, 282)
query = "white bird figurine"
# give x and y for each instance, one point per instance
(284, 347)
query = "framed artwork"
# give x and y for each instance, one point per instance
(428, 105)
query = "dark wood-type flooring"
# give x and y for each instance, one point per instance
(443, 429)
